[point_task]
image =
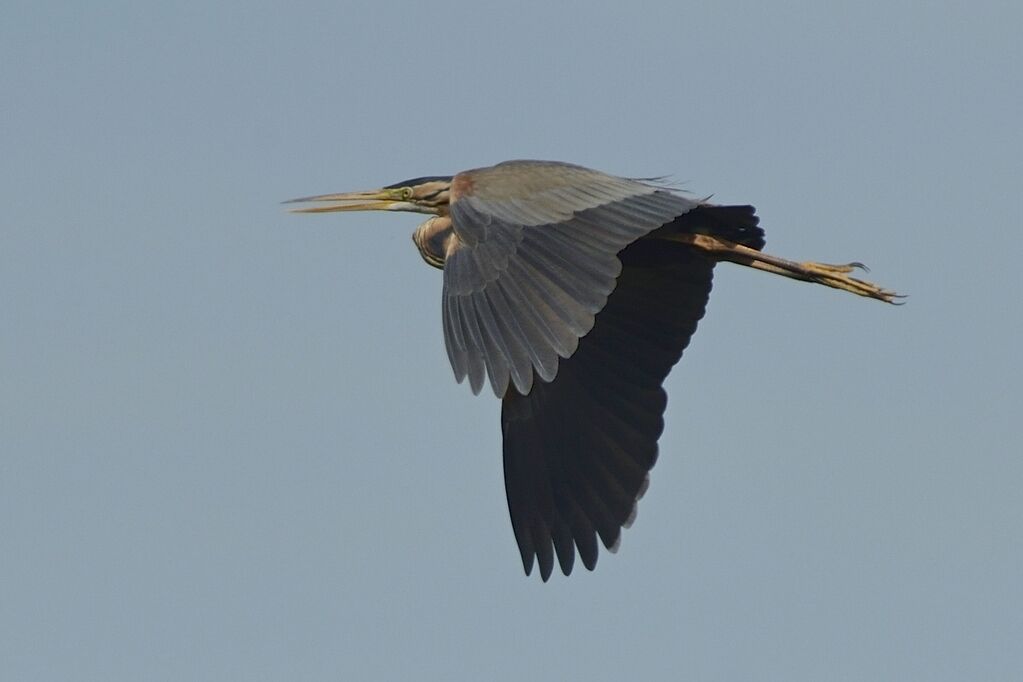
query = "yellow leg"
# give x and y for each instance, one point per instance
(834, 276)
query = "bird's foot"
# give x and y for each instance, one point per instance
(837, 277)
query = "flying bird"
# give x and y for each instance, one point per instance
(574, 292)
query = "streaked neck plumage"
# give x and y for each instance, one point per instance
(435, 239)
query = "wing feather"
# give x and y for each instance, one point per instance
(535, 259)
(555, 312)
(540, 342)
(582, 446)
(468, 321)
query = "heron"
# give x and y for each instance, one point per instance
(574, 293)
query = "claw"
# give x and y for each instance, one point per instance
(832, 268)
(836, 276)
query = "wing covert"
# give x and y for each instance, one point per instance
(535, 259)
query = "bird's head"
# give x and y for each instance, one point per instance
(421, 195)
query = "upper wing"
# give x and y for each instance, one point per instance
(535, 259)
(577, 451)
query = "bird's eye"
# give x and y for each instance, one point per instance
(406, 193)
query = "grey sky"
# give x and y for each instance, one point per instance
(231, 444)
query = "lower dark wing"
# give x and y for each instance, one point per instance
(577, 451)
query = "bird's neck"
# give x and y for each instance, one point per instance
(434, 239)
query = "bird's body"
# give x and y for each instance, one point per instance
(574, 292)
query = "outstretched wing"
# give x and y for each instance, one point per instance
(535, 259)
(577, 451)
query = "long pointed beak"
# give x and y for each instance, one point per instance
(373, 200)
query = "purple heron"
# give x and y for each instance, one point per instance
(575, 292)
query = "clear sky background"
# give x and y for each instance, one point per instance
(232, 448)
